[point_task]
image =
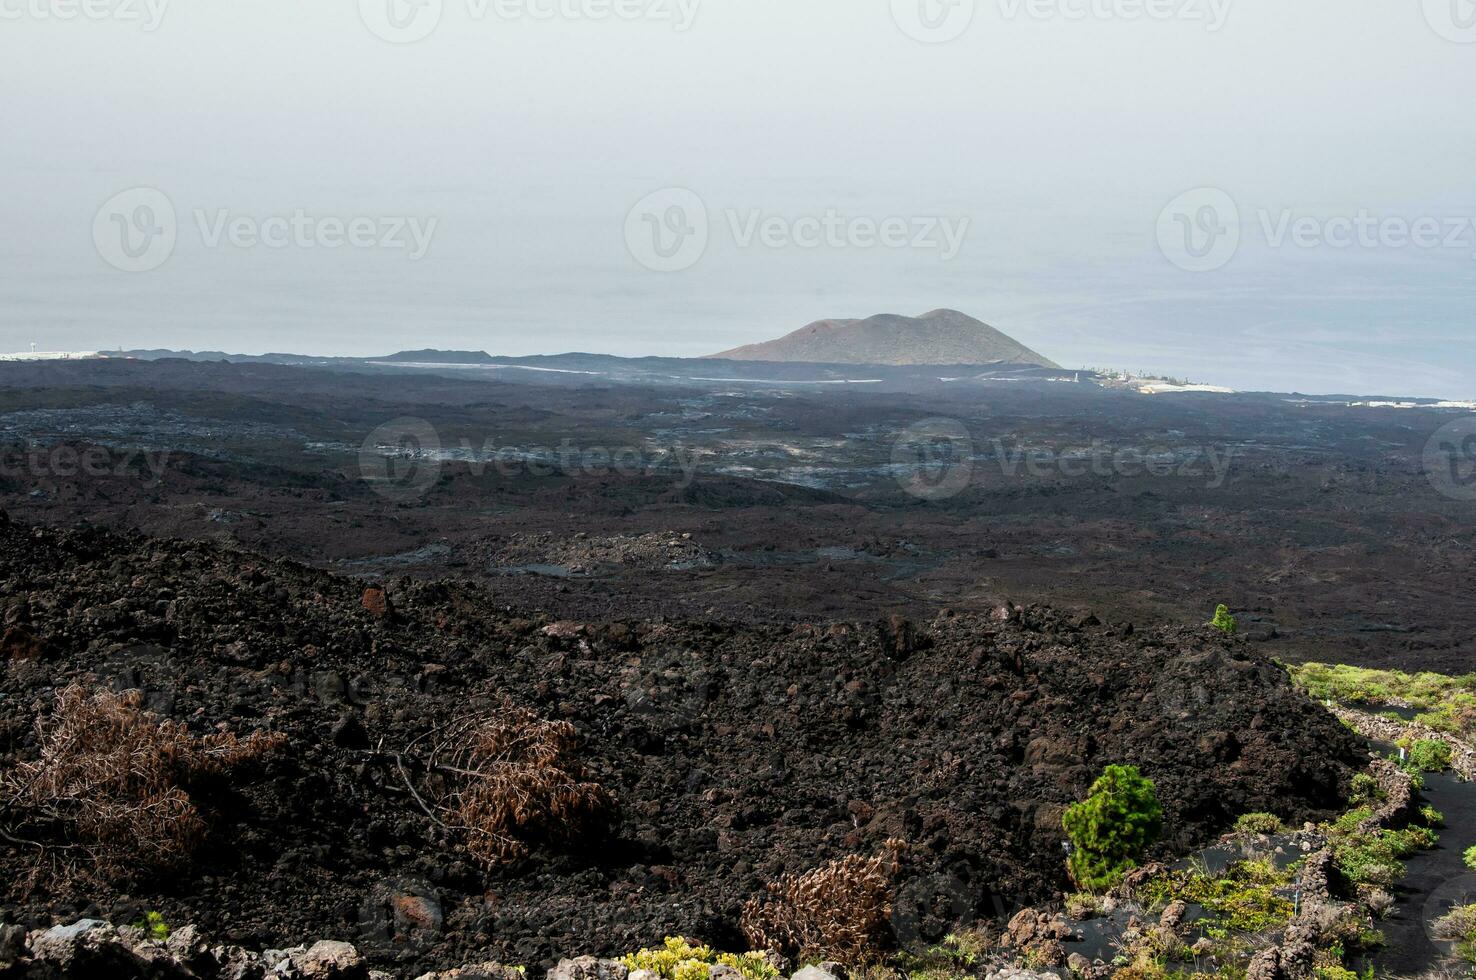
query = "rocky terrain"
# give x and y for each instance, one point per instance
(584, 555)
(1316, 522)
(94, 948)
(734, 752)
(286, 603)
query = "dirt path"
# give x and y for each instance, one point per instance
(1436, 880)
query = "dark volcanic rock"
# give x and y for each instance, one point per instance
(735, 753)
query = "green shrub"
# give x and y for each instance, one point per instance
(1364, 790)
(1260, 823)
(1431, 816)
(1470, 857)
(1430, 754)
(1223, 621)
(1374, 857)
(1112, 827)
(1347, 823)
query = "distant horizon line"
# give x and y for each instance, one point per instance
(1371, 400)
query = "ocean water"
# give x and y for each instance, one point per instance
(524, 267)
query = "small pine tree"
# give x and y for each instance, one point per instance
(1223, 621)
(1112, 827)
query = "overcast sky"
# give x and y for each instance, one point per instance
(1257, 193)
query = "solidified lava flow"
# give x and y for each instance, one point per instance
(734, 753)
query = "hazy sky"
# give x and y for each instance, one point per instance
(1258, 193)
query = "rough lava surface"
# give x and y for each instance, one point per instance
(736, 752)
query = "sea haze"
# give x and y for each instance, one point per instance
(528, 142)
(497, 275)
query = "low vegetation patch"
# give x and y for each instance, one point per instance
(1429, 754)
(1259, 823)
(110, 793)
(1244, 899)
(954, 958)
(1083, 905)
(1459, 926)
(1374, 857)
(1440, 735)
(1447, 703)
(508, 778)
(839, 911)
(1365, 790)
(681, 959)
(1342, 973)
(1254, 904)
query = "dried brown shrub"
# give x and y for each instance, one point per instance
(110, 786)
(839, 911)
(509, 777)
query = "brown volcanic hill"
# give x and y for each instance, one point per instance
(939, 337)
